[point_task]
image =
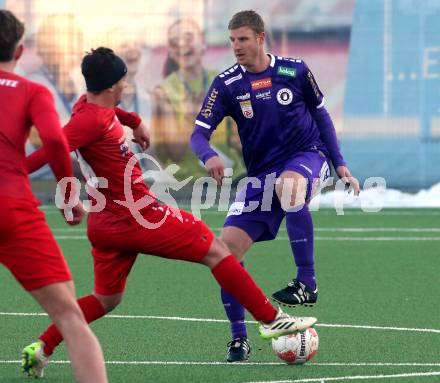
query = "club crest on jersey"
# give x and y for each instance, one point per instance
(246, 108)
(284, 96)
(261, 83)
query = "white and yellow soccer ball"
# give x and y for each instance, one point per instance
(297, 348)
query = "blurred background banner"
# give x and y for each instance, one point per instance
(377, 62)
(173, 50)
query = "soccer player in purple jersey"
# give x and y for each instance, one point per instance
(288, 141)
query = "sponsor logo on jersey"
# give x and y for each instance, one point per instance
(262, 83)
(232, 79)
(314, 85)
(284, 96)
(7, 82)
(124, 148)
(243, 97)
(246, 108)
(286, 71)
(263, 95)
(207, 109)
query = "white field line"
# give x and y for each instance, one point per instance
(378, 229)
(318, 238)
(352, 212)
(322, 229)
(424, 213)
(355, 377)
(210, 320)
(216, 363)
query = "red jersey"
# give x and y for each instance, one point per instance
(22, 104)
(97, 136)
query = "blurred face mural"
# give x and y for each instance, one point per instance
(131, 54)
(60, 45)
(185, 44)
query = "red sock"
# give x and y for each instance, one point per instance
(236, 281)
(92, 310)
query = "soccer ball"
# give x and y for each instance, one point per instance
(297, 348)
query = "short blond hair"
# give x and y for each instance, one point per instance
(249, 19)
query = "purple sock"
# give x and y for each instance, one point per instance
(300, 230)
(235, 312)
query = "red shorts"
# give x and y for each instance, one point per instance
(27, 246)
(116, 247)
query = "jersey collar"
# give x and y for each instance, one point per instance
(271, 64)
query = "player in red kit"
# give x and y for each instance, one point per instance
(27, 247)
(121, 229)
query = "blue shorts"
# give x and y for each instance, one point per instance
(258, 211)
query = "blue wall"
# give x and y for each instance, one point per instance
(394, 73)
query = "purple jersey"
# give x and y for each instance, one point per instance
(272, 110)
